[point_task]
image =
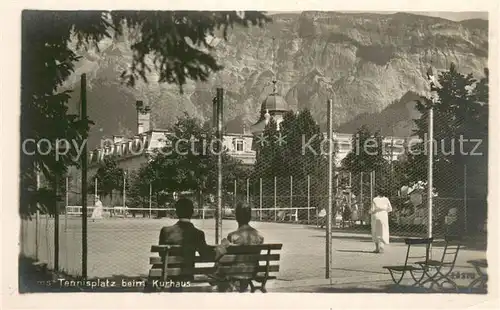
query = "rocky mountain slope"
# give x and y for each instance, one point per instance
(394, 120)
(364, 62)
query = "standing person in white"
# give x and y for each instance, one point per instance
(98, 209)
(381, 206)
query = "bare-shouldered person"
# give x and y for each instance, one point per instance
(244, 235)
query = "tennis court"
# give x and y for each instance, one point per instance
(120, 247)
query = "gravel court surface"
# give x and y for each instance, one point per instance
(120, 247)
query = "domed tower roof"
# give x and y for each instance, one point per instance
(274, 102)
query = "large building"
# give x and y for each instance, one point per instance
(132, 152)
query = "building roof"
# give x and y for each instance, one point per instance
(259, 127)
(274, 102)
(236, 126)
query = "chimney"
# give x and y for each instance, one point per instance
(143, 117)
(214, 112)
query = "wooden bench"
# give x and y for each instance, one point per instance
(166, 266)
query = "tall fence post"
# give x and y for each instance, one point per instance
(83, 115)
(124, 188)
(349, 198)
(248, 190)
(430, 150)
(337, 204)
(330, 190)
(66, 208)
(235, 195)
(220, 120)
(465, 198)
(430, 154)
(37, 217)
(56, 225)
(361, 201)
(275, 205)
(260, 198)
(150, 194)
(291, 191)
(372, 182)
(308, 199)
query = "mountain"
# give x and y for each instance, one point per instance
(364, 62)
(395, 120)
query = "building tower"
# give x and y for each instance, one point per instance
(273, 106)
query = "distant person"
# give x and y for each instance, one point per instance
(346, 214)
(98, 209)
(451, 222)
(381, 206)
(322, 218)
(190, 238)
(244, 235)
(355, 209)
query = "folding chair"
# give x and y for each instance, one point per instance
(480, 266)
(437, 272)
(398, 272)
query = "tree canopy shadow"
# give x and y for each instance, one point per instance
(37, 278)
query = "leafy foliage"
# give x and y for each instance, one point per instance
(284, 154)
(269, 156)
(367, 152)
(178, 40)
(109, 177)
(460, 113)
(188, 162)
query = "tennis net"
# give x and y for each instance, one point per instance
(308, 215)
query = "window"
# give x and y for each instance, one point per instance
(239, 145)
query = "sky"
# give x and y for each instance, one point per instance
(455, 16)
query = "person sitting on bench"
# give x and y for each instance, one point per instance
(244, 235)
(185, 234)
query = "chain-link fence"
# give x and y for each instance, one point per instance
(281, 199)
(457, 208)
(304, 200)
(410, 216)
(453, 216)
(39, 238)
(287, 183)
(123, 237)
(117, 238)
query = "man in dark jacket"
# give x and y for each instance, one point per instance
(190, 238)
